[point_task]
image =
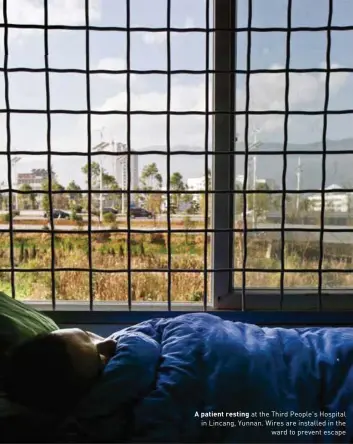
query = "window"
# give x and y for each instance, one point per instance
(292, 249)
(176, 155)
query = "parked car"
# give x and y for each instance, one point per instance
(59, 214)
(140, 212)
(110, 210)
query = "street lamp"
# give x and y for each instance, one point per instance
(100, 147)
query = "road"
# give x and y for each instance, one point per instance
(174, 217)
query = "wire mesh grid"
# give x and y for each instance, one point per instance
(90, 192)
(230, 151)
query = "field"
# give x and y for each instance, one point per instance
(148, 251)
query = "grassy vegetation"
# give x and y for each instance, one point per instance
(148, 251)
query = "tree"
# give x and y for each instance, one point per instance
(75, 199)
(177, 184)
(151, 179)
(108, 181)
(262, 201)
(27, 201)
(95, 174)
(58, 200)
(203, 196)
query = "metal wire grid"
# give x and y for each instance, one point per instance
(89, 112)
(287, 112)
(229, 152)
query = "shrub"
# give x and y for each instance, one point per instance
(109, 218)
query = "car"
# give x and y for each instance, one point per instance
(110, 210)
(140, 212)
(59, 214)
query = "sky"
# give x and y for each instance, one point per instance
(149, 92)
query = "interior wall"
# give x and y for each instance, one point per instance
(104, 330)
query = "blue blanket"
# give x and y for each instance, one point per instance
(197, 378)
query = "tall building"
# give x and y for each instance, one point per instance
(121, 169)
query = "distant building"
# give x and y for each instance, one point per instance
(239, 181)
(334, 201)
(34, 179)
(196, 184)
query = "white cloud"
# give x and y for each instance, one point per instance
(115, 64)
(60, 12)
(267, 92)
(154, 38)
(337, 79)
(189, 23)
(112, 64)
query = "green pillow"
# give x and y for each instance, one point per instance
(19, 322)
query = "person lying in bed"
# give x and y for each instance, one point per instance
(193, 378)
(53, 371)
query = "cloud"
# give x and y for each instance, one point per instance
(154, 38)
(189, 22)
(267, 92)
(60, 12)
(112, 64)
(115, 80)
(337, 79)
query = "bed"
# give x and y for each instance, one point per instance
(198, 378)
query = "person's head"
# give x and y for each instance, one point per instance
(52, 372)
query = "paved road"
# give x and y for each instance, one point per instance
(174, 217)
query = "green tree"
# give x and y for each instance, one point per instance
(95, 174)
(108, 181)
(27, 201)
(75, 199)
(59, 201)
(177, 184)
(151, 179)
(203, 196)
(262, 201)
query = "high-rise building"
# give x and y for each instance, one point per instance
(121, 169)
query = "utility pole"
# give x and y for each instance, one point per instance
(299, 177)
(14, 162)
(254, 145)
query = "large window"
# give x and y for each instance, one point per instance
(181, 154)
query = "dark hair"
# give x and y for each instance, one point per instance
(40, 375)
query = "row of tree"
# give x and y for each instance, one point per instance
(74, 200)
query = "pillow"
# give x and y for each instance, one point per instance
(19, 322)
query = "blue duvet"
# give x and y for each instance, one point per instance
(197, 378)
